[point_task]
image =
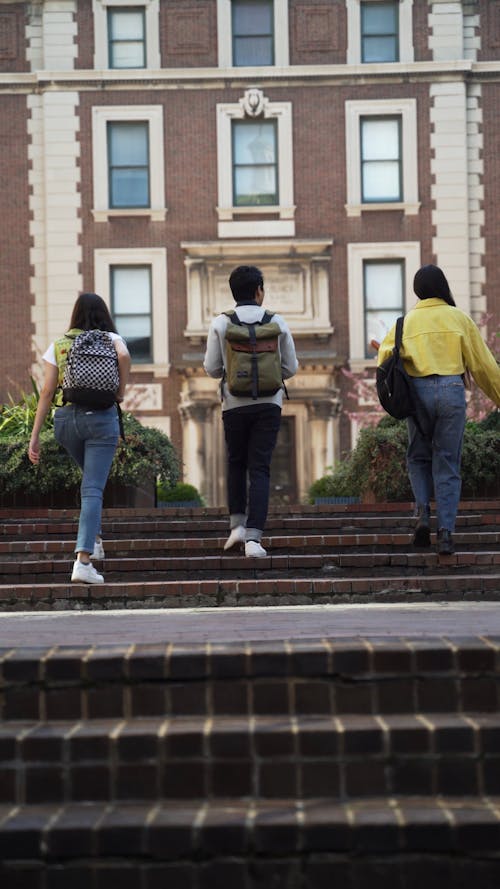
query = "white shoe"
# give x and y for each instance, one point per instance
(253, 550)
(237, 536)
(98, 550)
(85, 573)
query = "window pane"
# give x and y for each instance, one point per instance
(254, 163)
(380, 139)
(381, 181)
(379, 18)
(380, 49)
(128, 164)
(131, 289)
(380, 32)
(126, 36)
(253, 51)
(126, 24)
(383, 293)
(128, 144)
(129, 188)
(254, 143)
(131, 304)
(383, 285)
(253, 38)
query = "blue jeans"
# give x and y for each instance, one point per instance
(90, 438)
(434, 457)
(251, 434)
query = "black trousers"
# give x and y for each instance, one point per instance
(250, 434)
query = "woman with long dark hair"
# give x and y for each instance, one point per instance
(88, 433)
(440, 343)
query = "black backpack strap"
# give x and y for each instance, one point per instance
(267, 317)
(399, 332)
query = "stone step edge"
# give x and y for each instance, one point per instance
(184, 593)
(178, 828)
(358, 658)
(273, 561)
(192, 545)
(480, 504)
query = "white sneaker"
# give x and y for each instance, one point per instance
(98, 550)
(83, 573)
(237, 536)
(253, 550)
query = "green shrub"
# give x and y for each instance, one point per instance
(179, 493)
(147, 454)
(377, 465)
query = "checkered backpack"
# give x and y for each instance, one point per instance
(91, 376)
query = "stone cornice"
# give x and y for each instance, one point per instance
(234, 78)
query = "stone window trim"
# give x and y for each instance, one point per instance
(153, 116)
(156, 258)
(407, 110)
(409, 253)
(225, 37)
(152, 15)
(275, 220)
(406, 51)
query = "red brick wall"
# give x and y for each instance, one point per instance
(12, 39)
(188, 34)
(318, 32)
(489, 31)
(491, 179)
(15, 301)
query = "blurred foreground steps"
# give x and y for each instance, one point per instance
(292, 763)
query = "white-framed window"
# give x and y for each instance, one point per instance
(380, 288)
(126, 34)
(255, 167)
(381, 147)
(252, 33)
(379, 32)
(133, 283)
(128, 163)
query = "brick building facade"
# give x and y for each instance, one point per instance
(146, 148)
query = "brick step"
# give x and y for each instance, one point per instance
(482, 505)
(280, 679)
(343, 757)
(206, 567)
(187, 546)
(247, 592)
(144, 833)
(182, 527)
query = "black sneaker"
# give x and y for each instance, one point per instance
(422, 533)
(445, 545)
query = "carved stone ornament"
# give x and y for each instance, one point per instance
(253, 102)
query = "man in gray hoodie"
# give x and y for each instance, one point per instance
(251, 425)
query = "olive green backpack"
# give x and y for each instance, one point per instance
(253, 360)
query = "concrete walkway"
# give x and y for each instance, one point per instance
(251, 624)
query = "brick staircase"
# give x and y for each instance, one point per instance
(298, 764)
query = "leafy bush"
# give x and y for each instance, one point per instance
(179, 493)
(147, 454)
(16, 417)
(378, 463)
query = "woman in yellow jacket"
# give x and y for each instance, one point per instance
(440, 342)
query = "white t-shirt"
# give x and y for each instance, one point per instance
(50, 355)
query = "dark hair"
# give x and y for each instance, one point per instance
(90, 312)
(244, 281)
(430, 281)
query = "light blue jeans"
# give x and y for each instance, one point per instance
(434, 457)
(90, 438)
